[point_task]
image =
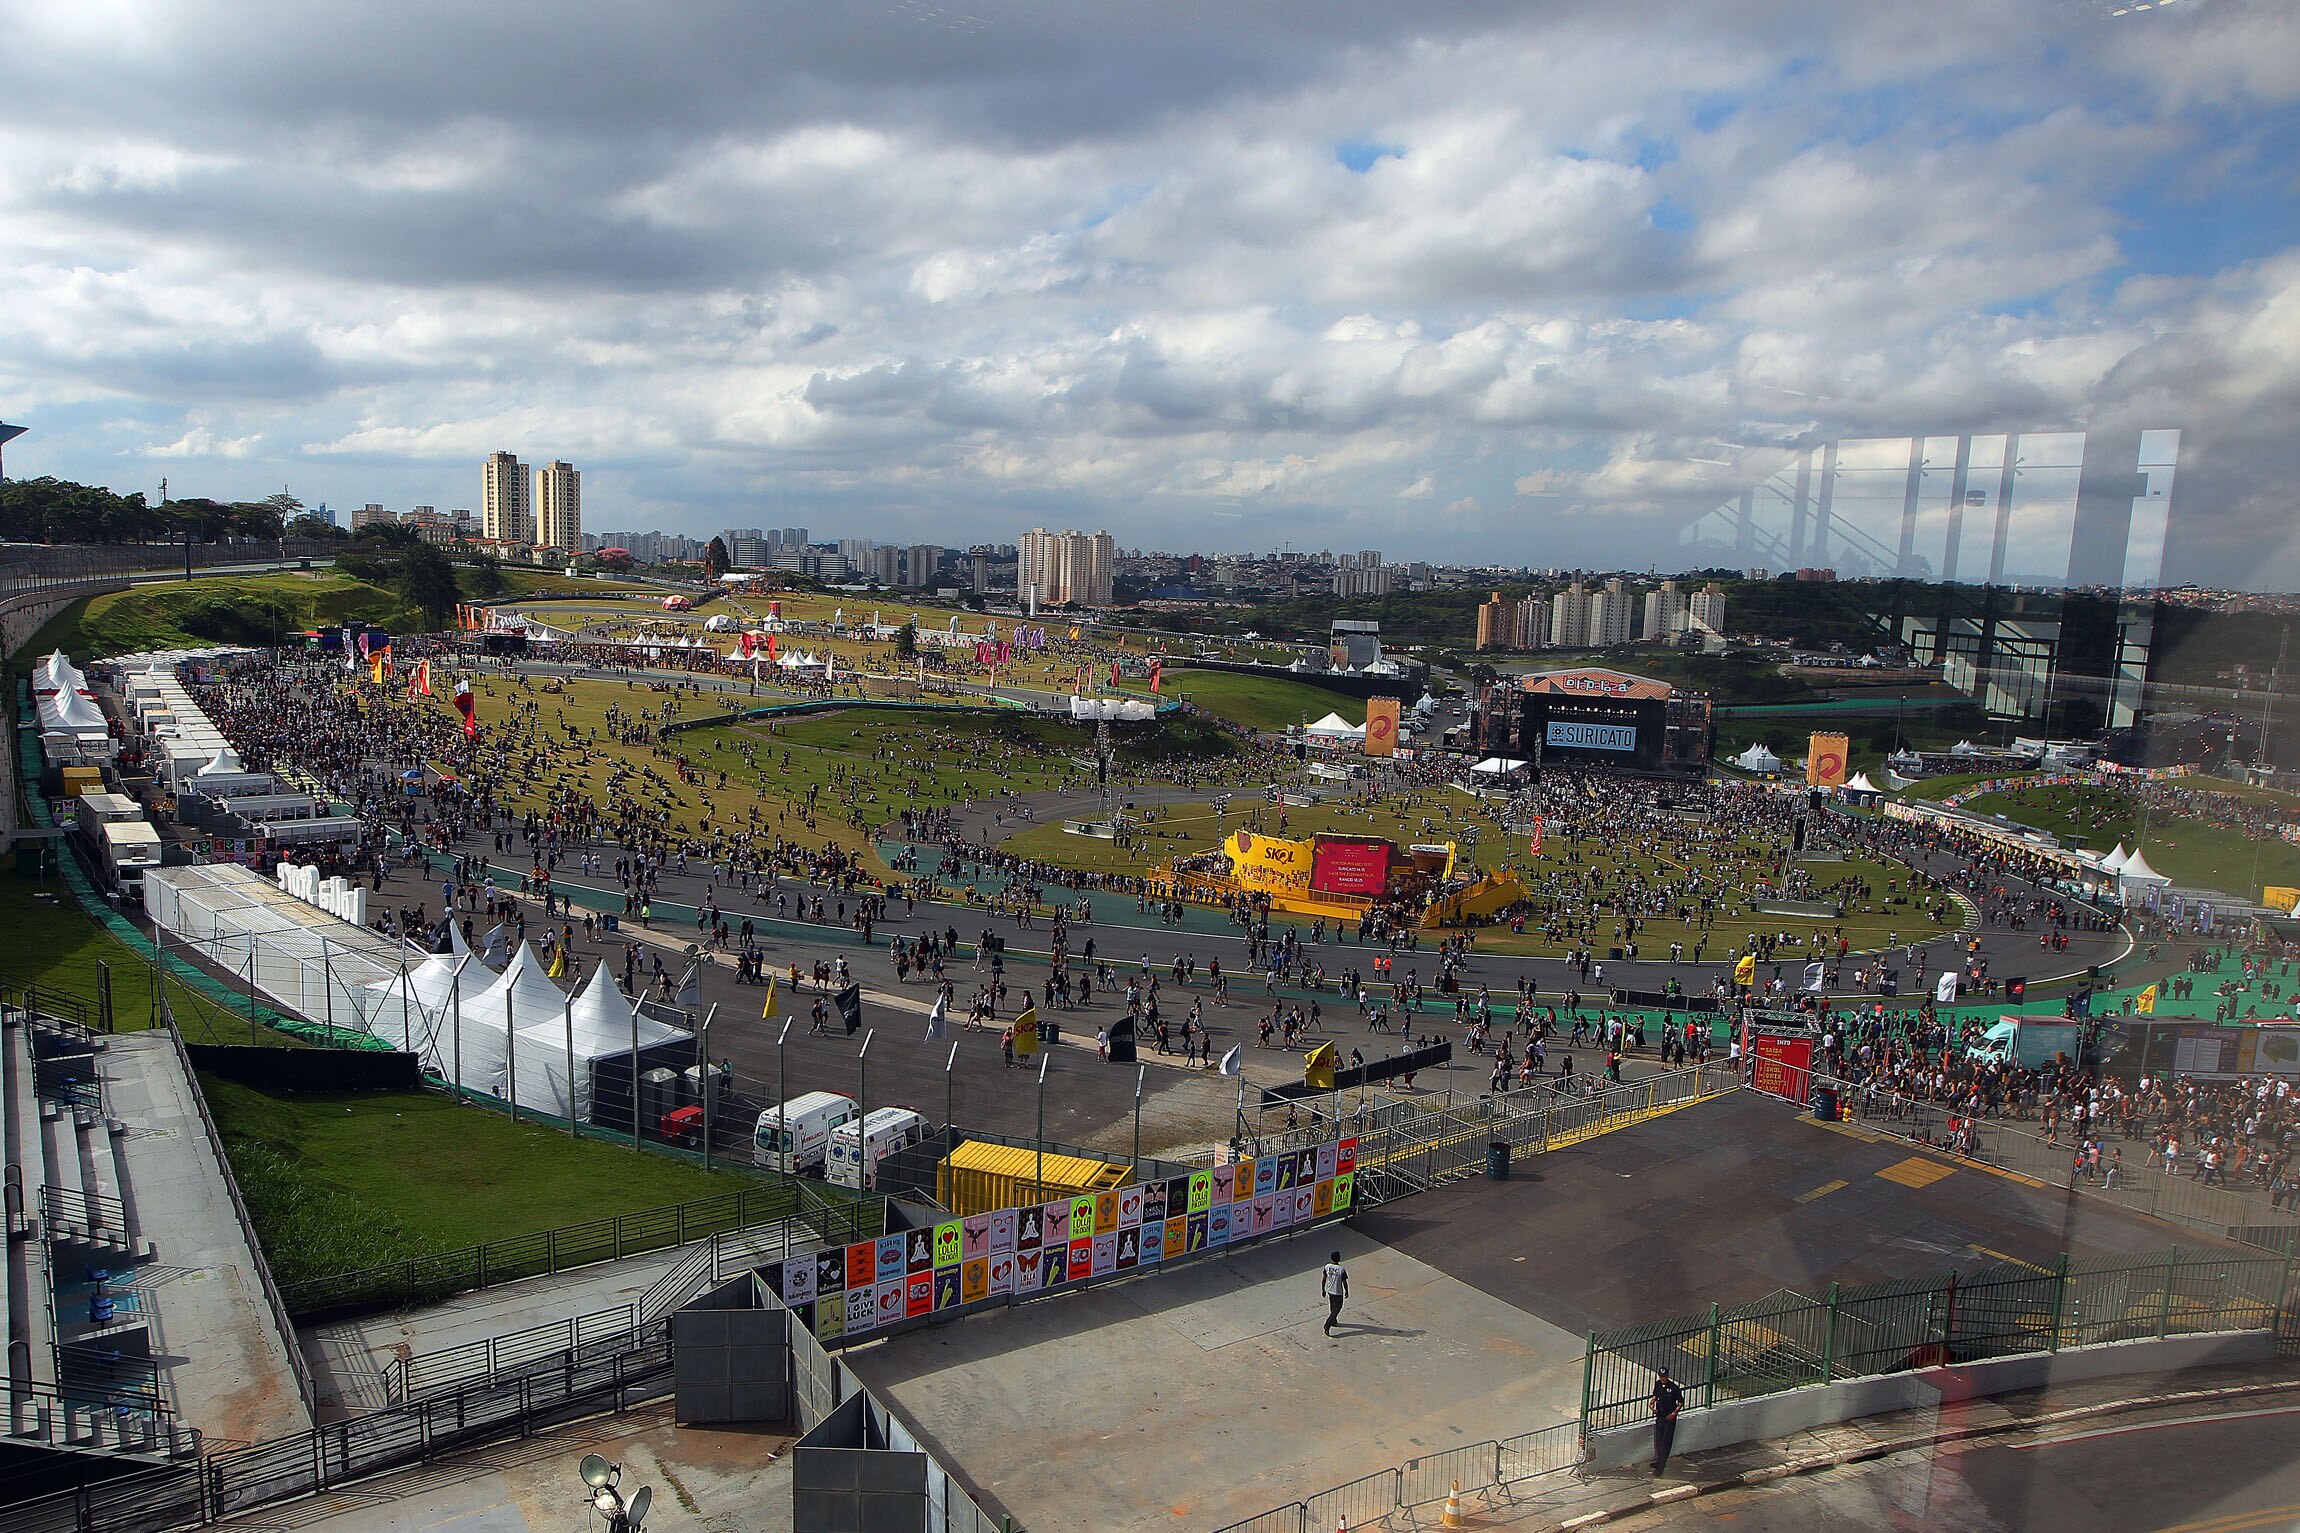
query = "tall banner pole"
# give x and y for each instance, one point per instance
(569, 1013)
(634, 1074)
(703, 1078)
(1044, 1059)
(510, 1073)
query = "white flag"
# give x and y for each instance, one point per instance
(1234, 1062)
(938, 1019)
(1946, 990)
(1813, 975)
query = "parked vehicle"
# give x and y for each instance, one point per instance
(857, 1148)
(794, 1136)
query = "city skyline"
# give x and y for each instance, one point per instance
(1532, 288)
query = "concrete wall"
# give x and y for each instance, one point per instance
(1799, 1410)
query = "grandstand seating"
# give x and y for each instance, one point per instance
(78, 1377)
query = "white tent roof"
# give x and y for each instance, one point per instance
(2137, 871)
(2114, 862)
(1861, 784)
(1334, 725)
(1494, 765)
(1964, 748)
(1757, 759)
(227, 761)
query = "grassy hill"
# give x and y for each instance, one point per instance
(220, 609)
(1258, 702)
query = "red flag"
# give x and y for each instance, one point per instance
(1114, 673)
(772, 646)
(465, 704)
(419, 679)
(1154, 669)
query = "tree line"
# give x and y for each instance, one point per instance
(50, 510)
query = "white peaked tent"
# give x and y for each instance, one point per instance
(416, 1011)
(2114, 862)
(1757, 759)
(598, 1029)
(1861, 784)
(1334, 727)
(2136, 873)
(1965, 748)
(720, 624)
(491, 1023)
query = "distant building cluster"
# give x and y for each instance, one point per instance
(542, 508)
(1065, 569)
(1578, 617)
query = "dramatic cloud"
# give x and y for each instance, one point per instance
(1212, 276)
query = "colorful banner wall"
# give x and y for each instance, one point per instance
(847, 1293)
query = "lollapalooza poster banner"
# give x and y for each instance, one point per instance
(843, 1293)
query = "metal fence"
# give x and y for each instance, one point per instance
(1787, 1339)
(229, 1482)
(796, 1210)
(2241, 1211)
(1486, 1474)
(1413, 1154)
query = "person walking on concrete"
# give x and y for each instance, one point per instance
(1334, 1283)
(1668, 1400)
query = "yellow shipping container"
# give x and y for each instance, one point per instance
(81, 779)
(977, 1178)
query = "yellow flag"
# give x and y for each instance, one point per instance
(375, 667)
(1745, 972)
(2145, 1002)
(1026, 1032)
(770, 1010)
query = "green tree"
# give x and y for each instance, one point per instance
(906, 642)
(715, 560)
(427, 582)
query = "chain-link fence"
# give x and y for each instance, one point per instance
(1787, 1339)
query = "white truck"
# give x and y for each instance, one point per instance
(131, 848)
(795, 1136)
(857, 1148)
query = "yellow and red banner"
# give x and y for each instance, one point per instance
(1381, 726)
(1825, 761)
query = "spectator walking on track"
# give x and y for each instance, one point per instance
(1668, 1400)
(1334, 1282)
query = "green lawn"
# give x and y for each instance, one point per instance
(2187, 851)
(238, 609)
(342, 1182)
(1259, 702)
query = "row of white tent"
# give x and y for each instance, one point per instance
(514, 1034)
(73, 728)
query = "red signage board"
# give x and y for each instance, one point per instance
(1781, 1064)
(1343, 866)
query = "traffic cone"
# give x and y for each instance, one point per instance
(1452, 1516)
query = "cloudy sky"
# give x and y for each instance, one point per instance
(1524, 281)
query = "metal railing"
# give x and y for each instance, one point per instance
(95, 1212)
(1486, 1474)
(2241, 1211)
(554, 1344)
(798, 1212)
(225, 1483)
(1787, 1340)
(1415, 1154)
